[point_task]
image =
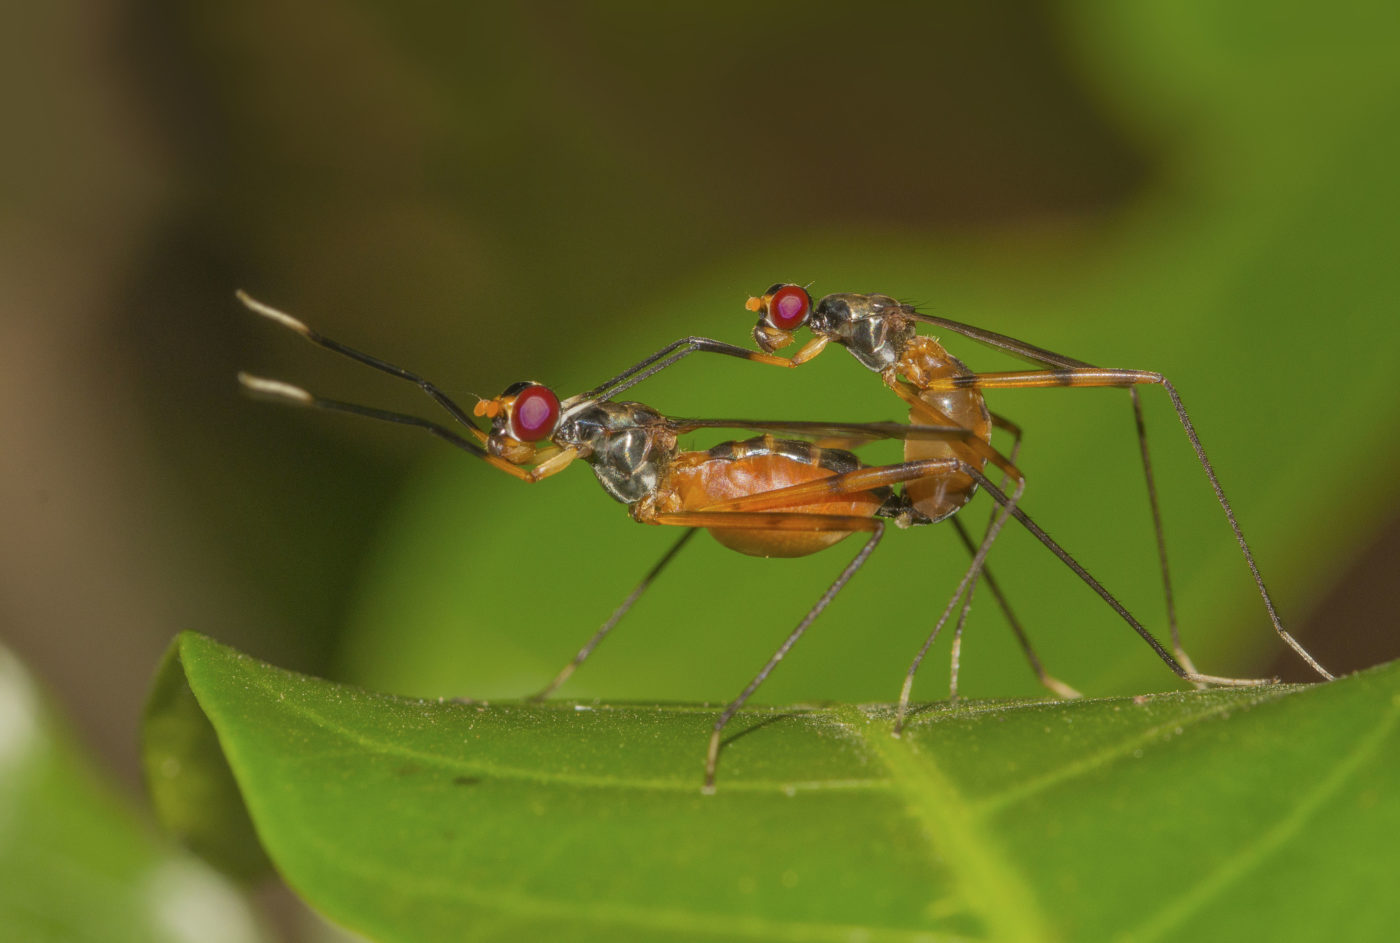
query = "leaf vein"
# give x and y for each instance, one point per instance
(990, 885)
(1250, 856)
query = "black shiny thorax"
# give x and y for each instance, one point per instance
(872, 327)
(628, 445)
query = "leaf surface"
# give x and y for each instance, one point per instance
(1260, 813)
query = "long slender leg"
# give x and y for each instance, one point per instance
(1069, 371)
(740, 513)
(775, 520)
(1093, 377)
(752, 512)
(1048, 358)
(712, 753)
(1159, 530)
(613, 619)
(1239, 534)
(670, 354)
(978, 559)
(1055, 685)
(955, 650)
(974, 447)
(788, 520)
(1103, 377)
(909, 471)
(1068, 560)
(1049, 681)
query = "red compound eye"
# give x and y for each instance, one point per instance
(534, 414)
(788, 307)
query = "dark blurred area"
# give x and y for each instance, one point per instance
(488, 191)
(493, 187)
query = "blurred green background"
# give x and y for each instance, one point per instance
(552, 191)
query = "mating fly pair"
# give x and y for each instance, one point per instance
(767, 496)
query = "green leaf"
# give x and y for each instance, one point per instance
(76, 863)
(1263, 813)
(189, 781)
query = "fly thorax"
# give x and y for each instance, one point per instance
(872, 327)
(627, 445)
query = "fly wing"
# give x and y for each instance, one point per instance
(1017, 348)
(851, 431)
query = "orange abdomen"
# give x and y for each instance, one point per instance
(703, 479)
(938, 497)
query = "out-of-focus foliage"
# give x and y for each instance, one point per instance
(1254, 272)
(76, 863)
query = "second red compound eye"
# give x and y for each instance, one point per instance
(788, 307)
(534, 414)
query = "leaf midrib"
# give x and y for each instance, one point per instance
(989, 884)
